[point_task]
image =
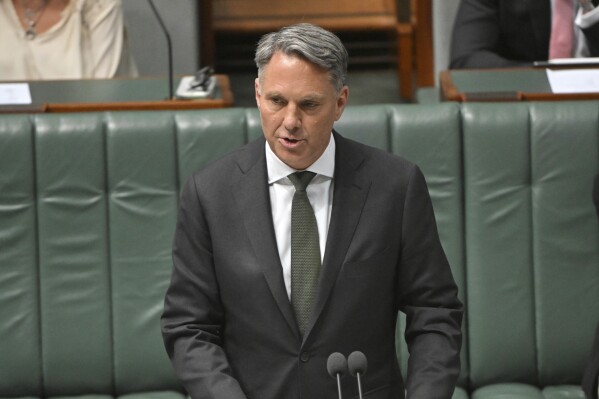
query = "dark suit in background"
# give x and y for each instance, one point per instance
(506, 33)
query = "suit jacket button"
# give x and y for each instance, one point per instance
(304, 357)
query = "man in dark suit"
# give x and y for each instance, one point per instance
(591, 372)
(233, 323)
(513, 33)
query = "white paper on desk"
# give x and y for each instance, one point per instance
(14, 93)
(573, 61)
(574, 80)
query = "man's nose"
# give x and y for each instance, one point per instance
(292, 120)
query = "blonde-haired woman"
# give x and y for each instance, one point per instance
(63, 39)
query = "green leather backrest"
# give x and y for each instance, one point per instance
(532, 253)
(20, 337)
(87, 213)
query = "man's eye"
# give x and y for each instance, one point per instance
(309, 105)
(277, 101)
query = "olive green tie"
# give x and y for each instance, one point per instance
(305, 251)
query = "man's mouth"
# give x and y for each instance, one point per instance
(290, 142)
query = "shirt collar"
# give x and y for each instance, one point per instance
(277, 169)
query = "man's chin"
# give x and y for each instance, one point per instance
(292, 159)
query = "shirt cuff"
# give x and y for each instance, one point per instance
(587, 20)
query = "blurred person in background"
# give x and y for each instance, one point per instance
(515, 33)
(63, 39)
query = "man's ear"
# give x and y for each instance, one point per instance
(257, 91)
(341, 102)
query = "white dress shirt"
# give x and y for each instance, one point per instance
(582, 21)
(320, 195)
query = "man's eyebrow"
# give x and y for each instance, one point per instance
(313, 97)
(309, 97)
(272, 94)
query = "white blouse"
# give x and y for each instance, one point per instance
(89, 41)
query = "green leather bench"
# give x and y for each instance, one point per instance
(87, 212)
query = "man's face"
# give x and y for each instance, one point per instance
(298, 105)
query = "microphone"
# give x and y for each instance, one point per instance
(337, 366)
(169, 47)
(357, 364)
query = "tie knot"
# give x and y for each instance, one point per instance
(301, 179)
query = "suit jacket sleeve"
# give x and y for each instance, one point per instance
(193, 316)
(429, 300)
(479, 42)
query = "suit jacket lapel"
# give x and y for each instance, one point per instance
(252, 197)
(350, 193)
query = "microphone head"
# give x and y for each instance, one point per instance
(357, 363)
(336, 365)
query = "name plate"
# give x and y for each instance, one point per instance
(15, 94)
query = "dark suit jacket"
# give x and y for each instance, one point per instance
(228, 324)
(506, 33)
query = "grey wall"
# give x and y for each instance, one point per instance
(444, 12)
(148, 44)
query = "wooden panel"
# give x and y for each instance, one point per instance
(206, 33)
(405, 62)
(257, 16)
(260, 15)
(423, 11)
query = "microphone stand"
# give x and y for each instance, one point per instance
(169, 49)
(339, 385)
(359, 386)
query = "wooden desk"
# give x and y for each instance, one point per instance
(143, 94)
(494, 85)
